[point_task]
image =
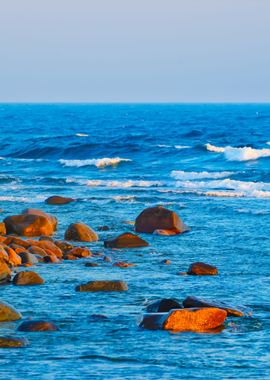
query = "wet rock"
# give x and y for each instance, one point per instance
(8, 313)
(63, 245)
(3, 229)
(5, 272)
(164, 232)
(191, 302)
(185, 319)
(31, 224)
(31, 326)
(37, 251)
(123, 264)
(19, 242)
(13, 258)
(28, 258)
(27, 278)
(50, 248)
(70, 257)
(202, 269)
(50, 217)
(103, 228)
(58, 200)
(79, 252)
(80, 232)
(103, 286)
(13, 342)
(107, 259)
(166, 261)
(91, 265)
(159, 218)
(46, 238)
(51, 259)
(163, 305)
(126, 240)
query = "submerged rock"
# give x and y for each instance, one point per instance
(191, 302)
(202, 269)
(27, 278)
(159, 218)
(123, 264)
(163, 305)
(80, 232)
(185, 319)
(91, 265)
(58, 200)
(103, 286)
(12, 342)
(126, 240)
(8, 313)
(31, 326)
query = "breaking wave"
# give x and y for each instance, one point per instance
(99, 162)
(183, 175)
(239, 154)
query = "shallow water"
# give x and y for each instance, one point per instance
(222, 191)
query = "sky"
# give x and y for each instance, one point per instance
(135, 51)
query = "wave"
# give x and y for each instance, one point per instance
(180, 174)
(99, 162)
(174, 146)
(114, 184)
(81, 135)
(239, 154)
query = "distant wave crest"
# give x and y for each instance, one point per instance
(98, 162)
(239, 154)
(183, 175)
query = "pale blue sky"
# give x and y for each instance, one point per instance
(135, 50)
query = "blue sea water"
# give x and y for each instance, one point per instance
(210, 164)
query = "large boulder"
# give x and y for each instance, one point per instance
(159, 218)
(202, 269)
(58, 200)
(126, 240)
(31, 223)
(5, 272)
(27, 278)
(185, 320)
(191, 302)
(32, 326)
(103, 286)
(8, 313)
(80, 232)
(12, 342)
(163, 305)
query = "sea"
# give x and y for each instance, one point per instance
(210, 163)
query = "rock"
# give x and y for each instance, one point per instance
(58, 200)
(34, 211)
(37, 251)
(51, 259)
(163, 305)
(159, 218)
(31, 224)
(19, 242)
(202, 269)
(122, 264)
(191, 302)
(46, 238)
(98, 318)
(11, 342)
(199, 320)
(103, 228)
(79, 252)
(50, 248)
(165, 261)
(31, 326)
(27, 278)
(5, 272)
(91, 265)
(28, 258)
(63, 245)
(8, 313)
(80, 232)
(13, 258)
(70, 257)
(126, 240)
(3, 229)
(107, 259)
(164, 232)
(103, 286)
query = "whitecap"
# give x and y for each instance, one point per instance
(182, 147)
(239, 154)
(183, 175)
(99, 162)
(115, 183)
(82, 134)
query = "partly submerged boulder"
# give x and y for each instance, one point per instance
(8, 313)
(159, 218)
(103, 286)
(12, 342)
(80, 232)
(39, 325)
(202, 269)
(163, 305)
(126, 240)
(27, 278)
(191, 302)
(185, 319)
(58, 200)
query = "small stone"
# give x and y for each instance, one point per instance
(107, 259)
(202, 269)
(27, 278)
(166, 261)
(103, 286)
(58, 200)
(31, 326)
(79, 252)
(123, 264)
(91, 265)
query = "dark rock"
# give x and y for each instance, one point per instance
(51, 259)
(12, 342)
(191, 302)
(103, 286)
(126, 240)
(159, 218)
(46, 238)
(28, 258)
(91, 265)
(58, 200)
(27, 278)
(80, 232)
(107, 259)
(31, 326)
(98, 318)
(202, 269)
(8, 313)
(199, 320)
(163, 305)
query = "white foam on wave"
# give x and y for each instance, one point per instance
(82, 134)
(182, 147)
(183, 175)
(99, 162)
(123, 198)
(114, 184)
(239, 154)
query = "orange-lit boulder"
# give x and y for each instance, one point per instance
(79, 252)
(58, 200)
(5, 272)
(27, 278)
(3, 229)
(16, 240)
(126, 240)
(103, 286)
(13, 258)
(31, 326)
(80, 232)
(159, 218)
(12, 342)
(8, 313)
(202, 269)
(49, 245)
(51, 218)
(185, 319)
